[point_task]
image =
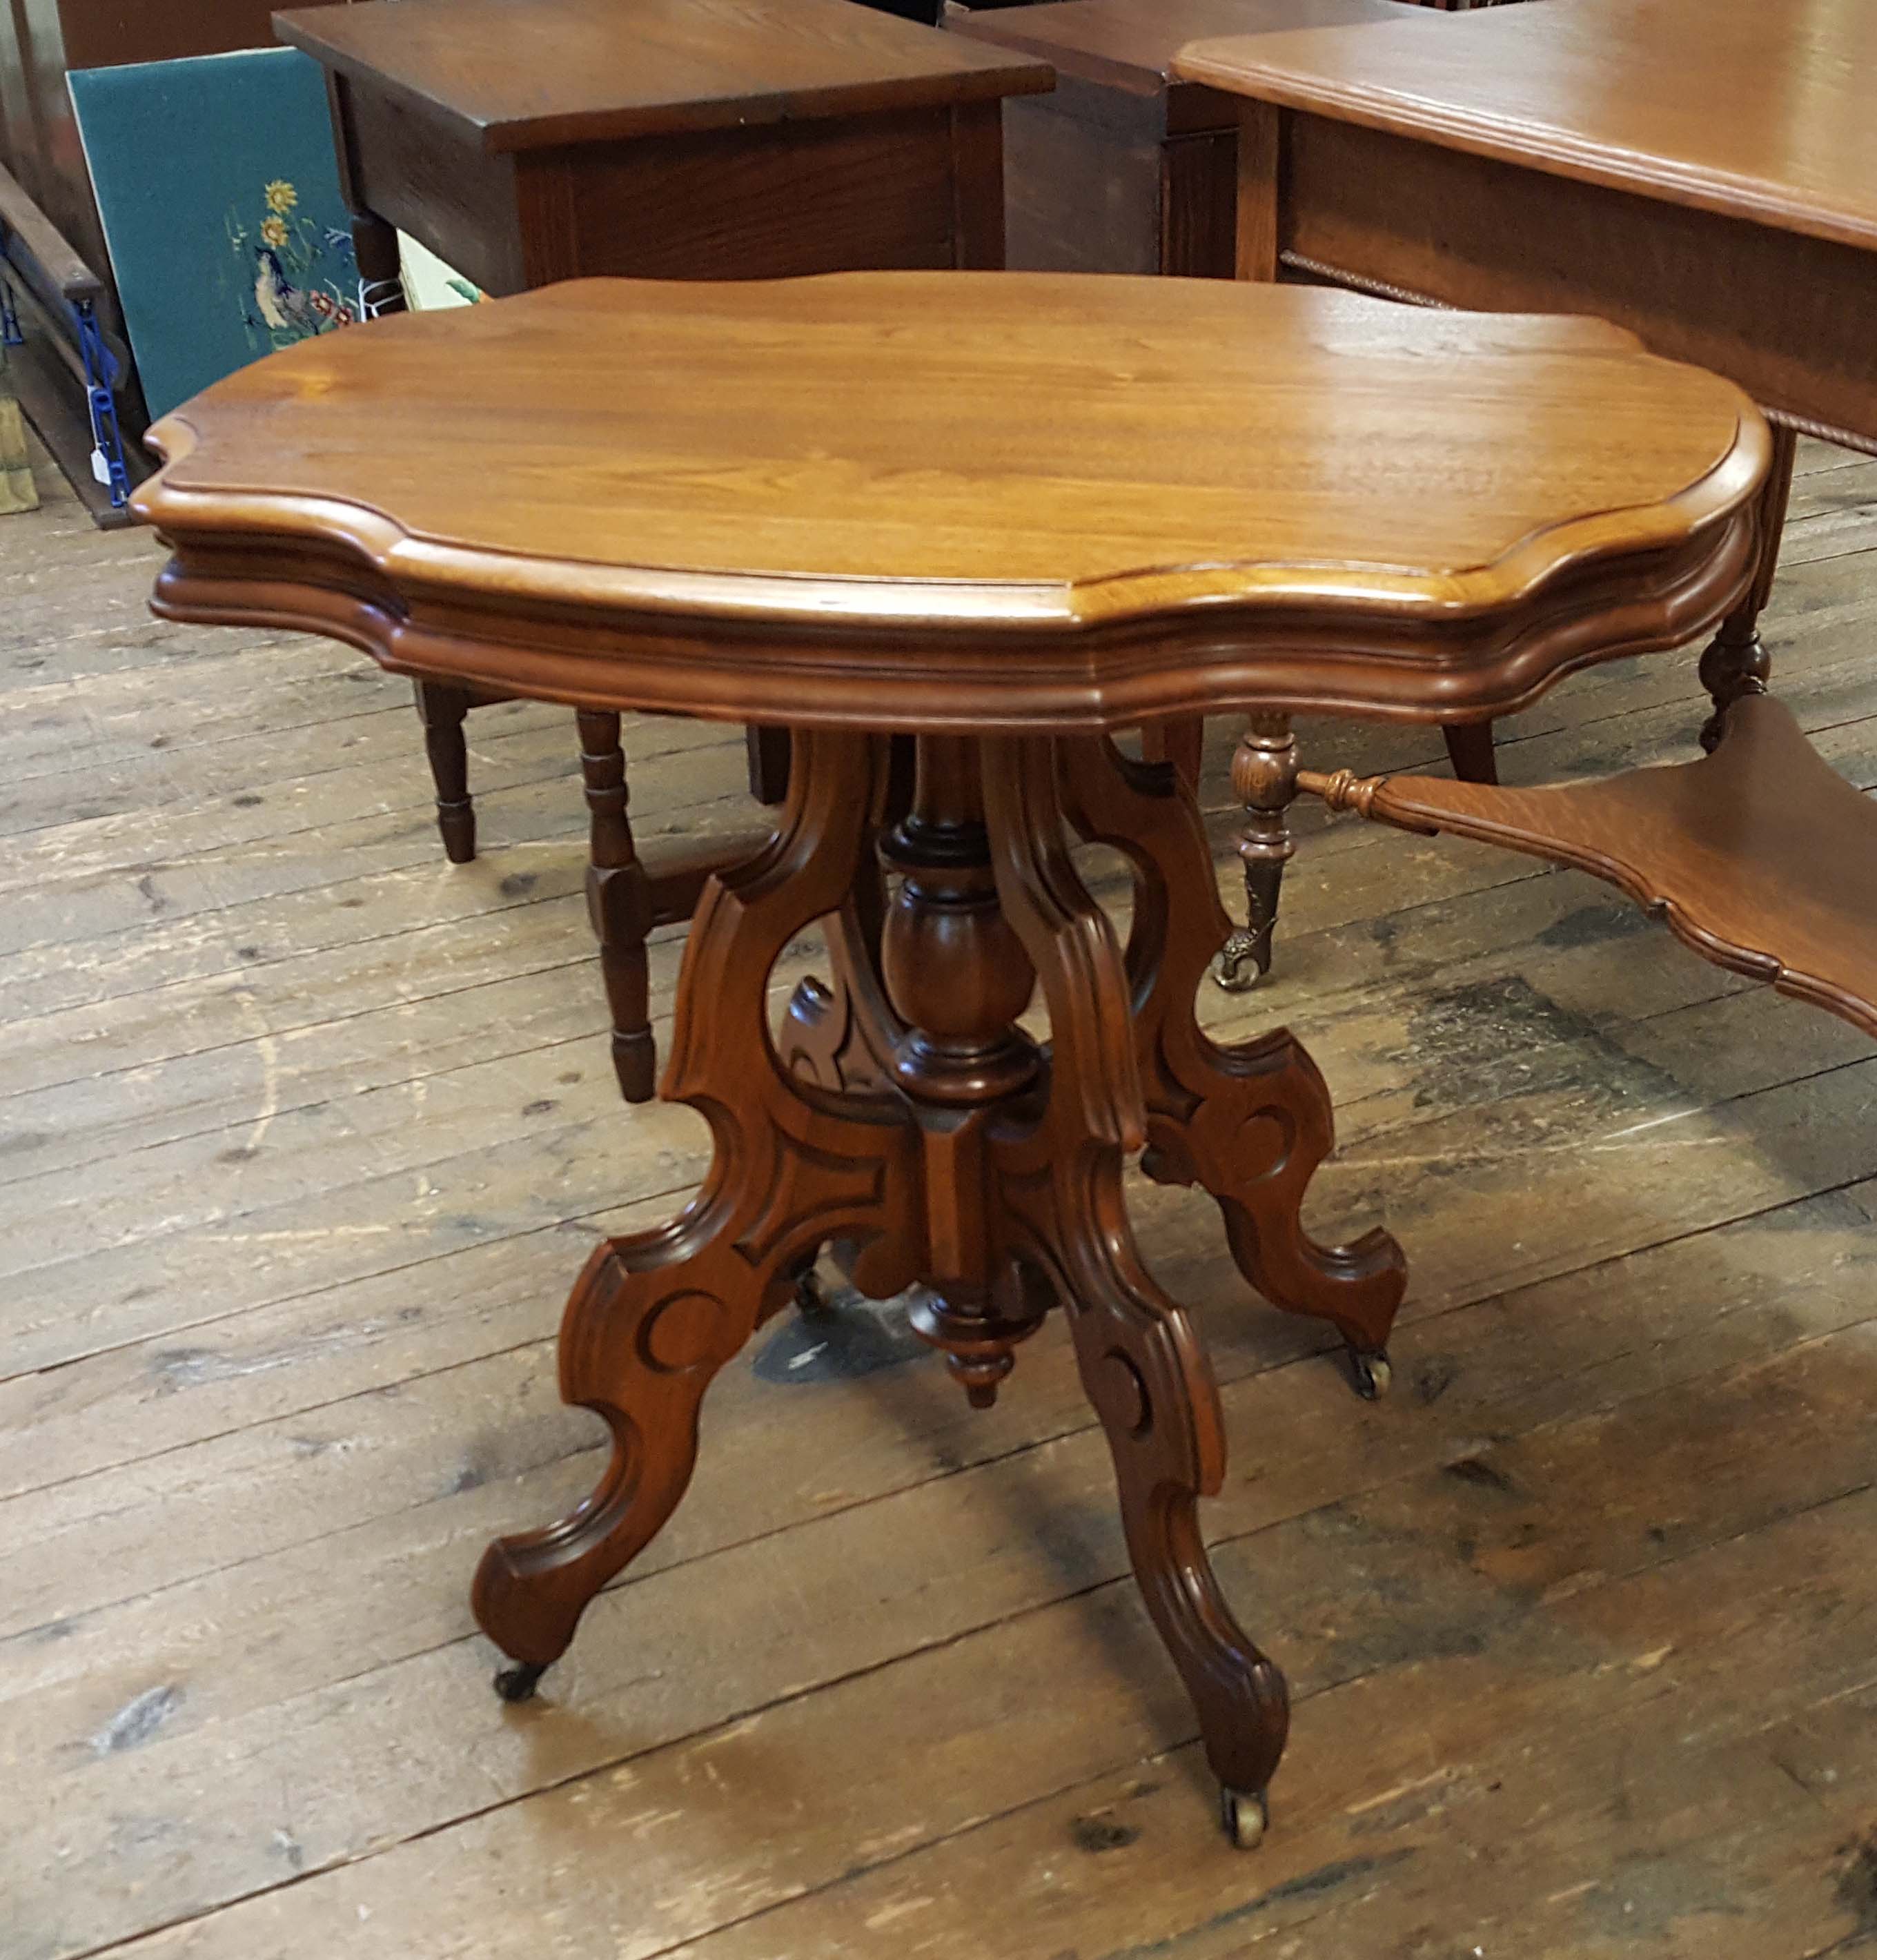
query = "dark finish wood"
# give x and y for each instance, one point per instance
(441, 707)
(1250, 1124)
(1010, 618)
(768, 763)
(1702, 171)
(52, 290)
(1181, 743)
(66, 273)
(1470, 750)
(530, 142)
(1759, 855)
(955, 1173)
(618, 903)
(1126, 168)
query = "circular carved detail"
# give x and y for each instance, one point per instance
(1121, 1379)
(682, 1332)
(1262, 1145)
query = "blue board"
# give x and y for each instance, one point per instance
(216, 181)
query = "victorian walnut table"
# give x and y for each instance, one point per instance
(1703, 172)
(956, 531)
(527, 141)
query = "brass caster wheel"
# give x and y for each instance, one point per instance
(519, 1682)
(1371, 1374)
(1246, 1814)
(1241, 963)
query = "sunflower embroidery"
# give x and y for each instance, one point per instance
(274, 230)
(282, 197)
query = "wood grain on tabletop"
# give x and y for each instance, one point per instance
(1132, 45)
(932, 466)
(520, 75)
(1754, 108)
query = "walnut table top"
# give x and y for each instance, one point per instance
(908, 500)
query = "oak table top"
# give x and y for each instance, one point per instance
(900, 500)
(1753, 109)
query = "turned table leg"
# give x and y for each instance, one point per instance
(619, 904)
(442, 707)
(1735, 663)
(1264, 780)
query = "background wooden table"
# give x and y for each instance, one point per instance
(1702, 171)
(530, 141)
(1125, 167)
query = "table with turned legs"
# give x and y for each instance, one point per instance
(957, 532)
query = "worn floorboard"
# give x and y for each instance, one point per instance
(303, 1132)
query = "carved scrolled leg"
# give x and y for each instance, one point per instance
(1139, 1356)
(843, 1035)
(442, 707)
(1735, 663)
(655, 1316)
(620, 904)
(1264, 780)
(1248, 1124)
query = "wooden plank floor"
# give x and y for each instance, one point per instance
(303, 1133)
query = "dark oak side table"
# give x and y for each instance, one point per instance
(1006, 516)
(527, 141)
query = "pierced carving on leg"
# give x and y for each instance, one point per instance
(1249, 1124)
(654, 1316)
(1139, 1356)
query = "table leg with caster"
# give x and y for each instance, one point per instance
(1249, 1124)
